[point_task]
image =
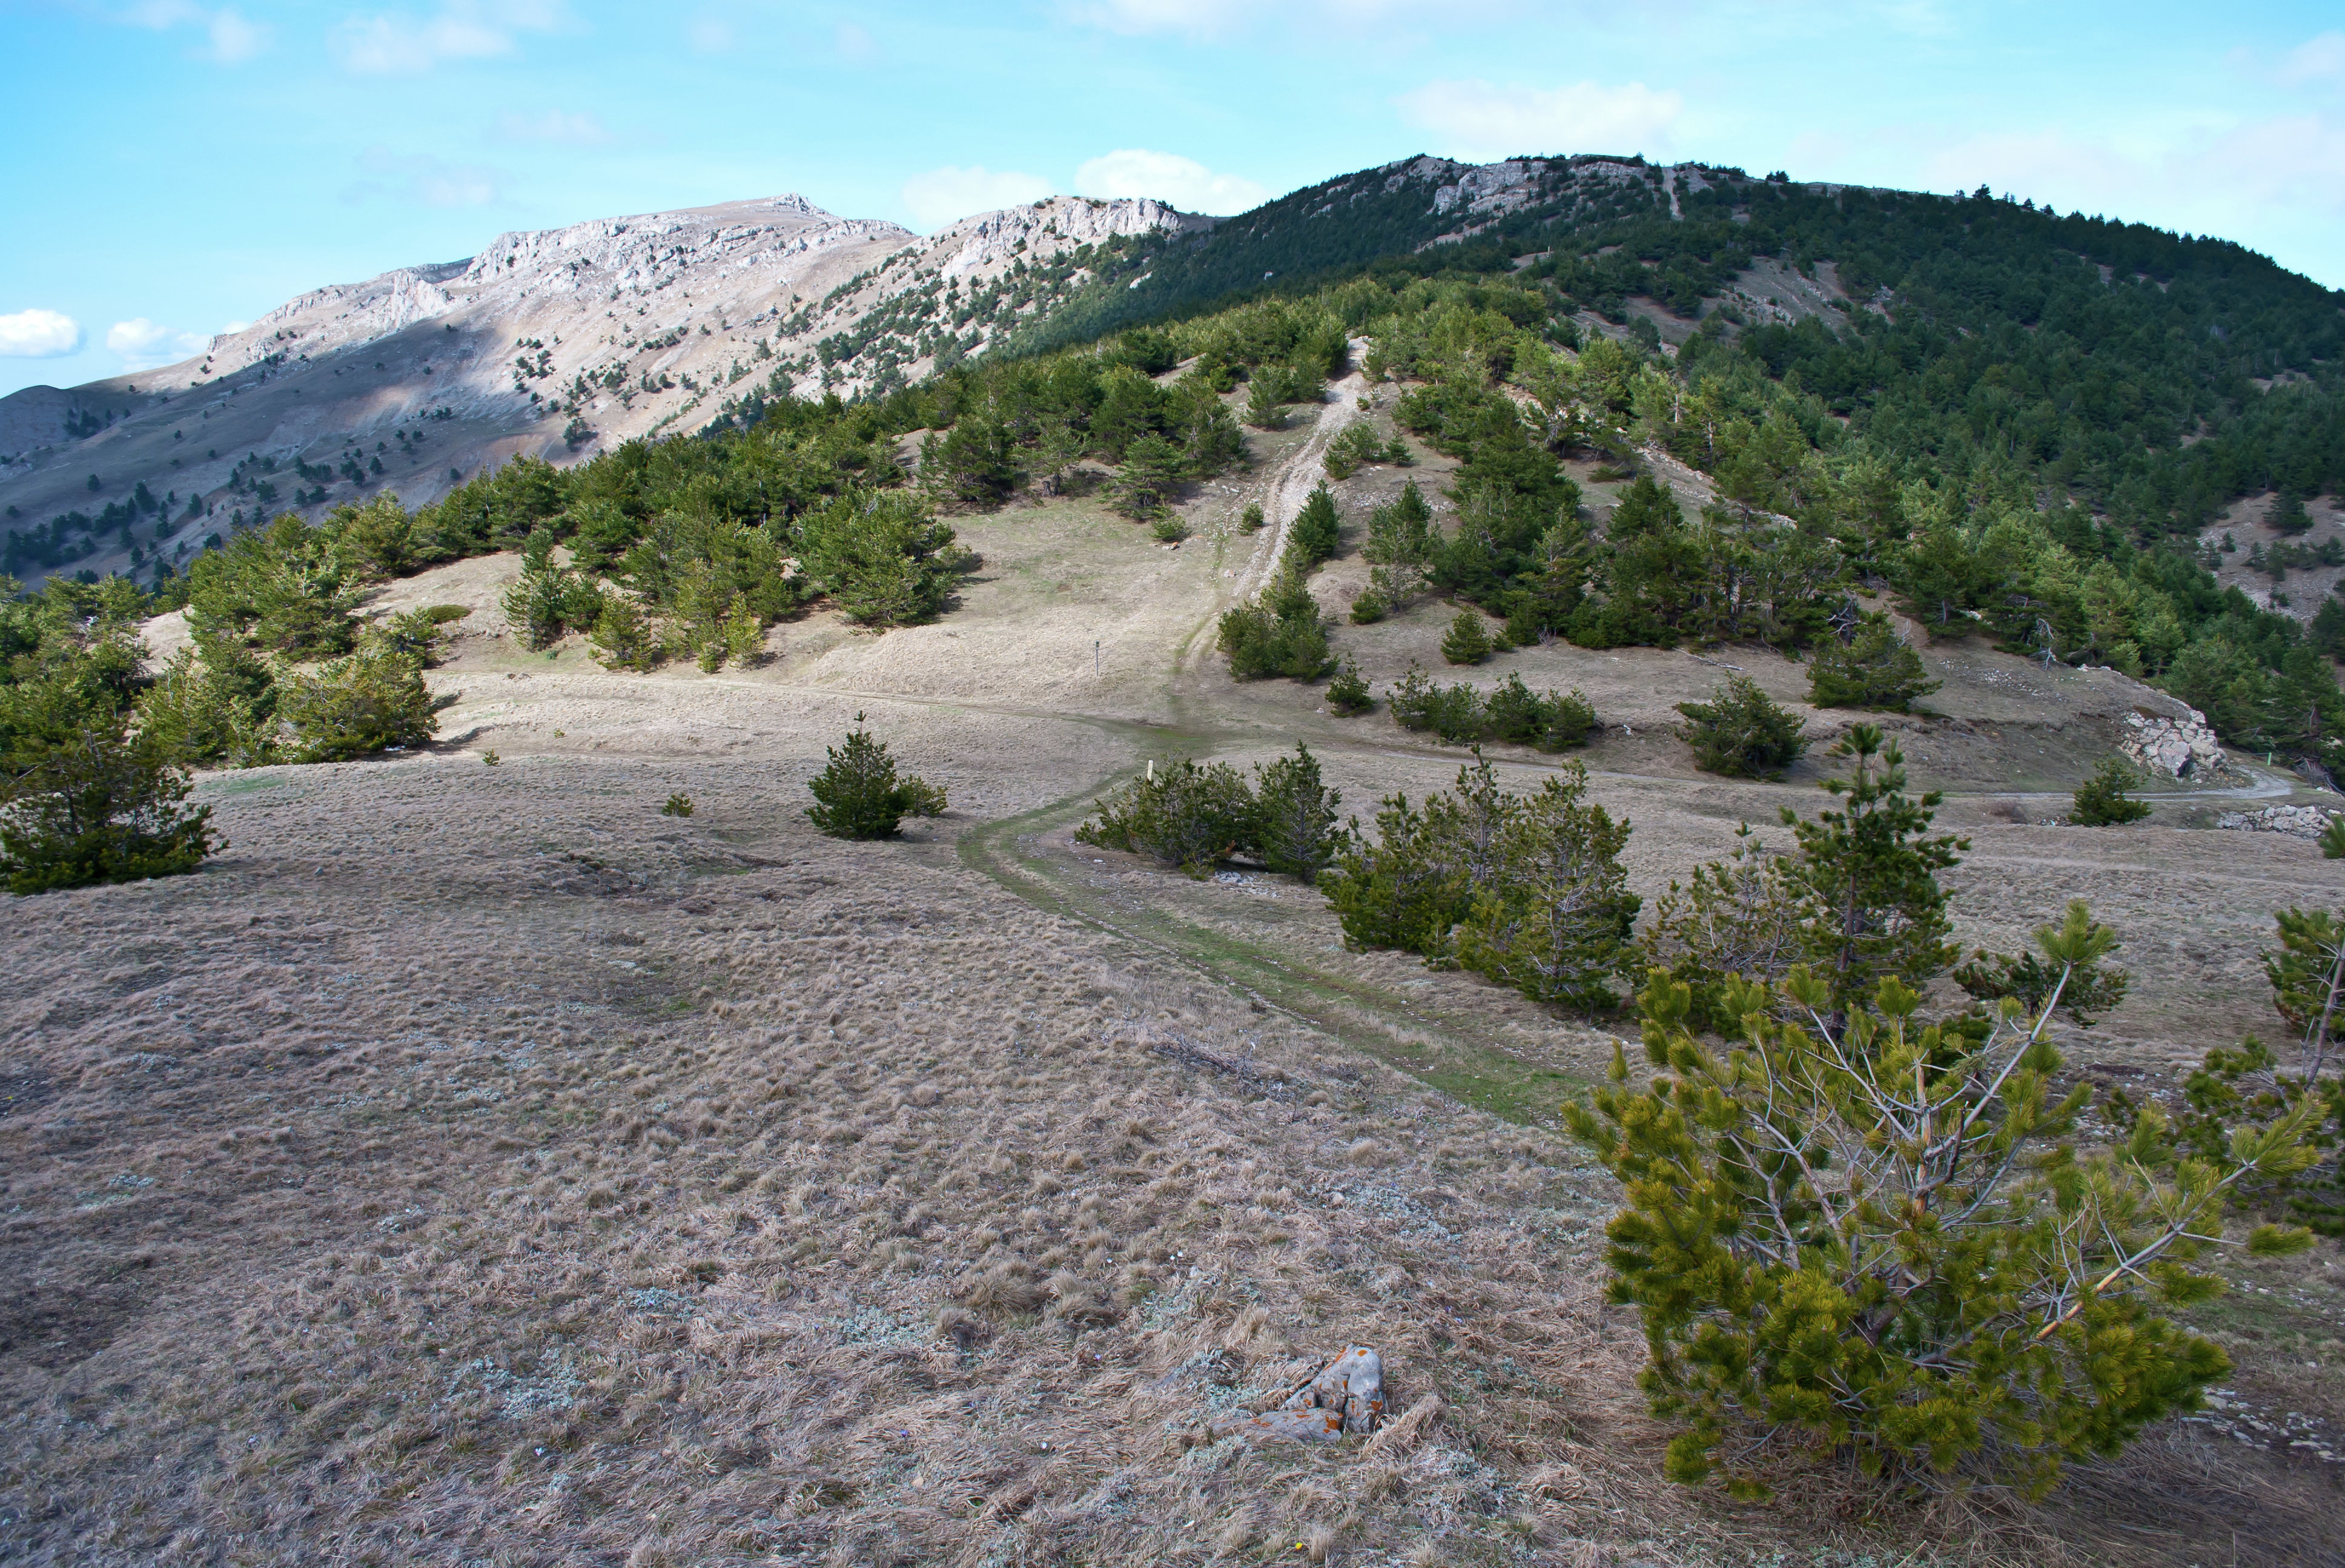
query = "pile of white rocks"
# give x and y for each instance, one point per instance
(2296, 822)
(2173, 747)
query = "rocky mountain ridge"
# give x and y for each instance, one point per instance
(558, 343)
(552, 343)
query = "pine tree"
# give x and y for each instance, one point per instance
(745, 635)
(1554, 921)
(622, 636)
(1317, 531)
(1956, 1286)
(2101, 801)
(1149, 480)
(82, 800)
(857, 794)
(1874, 668)
(1294, 816)
(1468, 640)
(1264, 410)
(1347, 693)
(1866, 877)
(1740, 733)
(356, 707)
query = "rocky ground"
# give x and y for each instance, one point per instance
(473, 1164)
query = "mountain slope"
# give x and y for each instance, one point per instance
(552, 344)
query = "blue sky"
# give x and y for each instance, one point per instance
(174, 166)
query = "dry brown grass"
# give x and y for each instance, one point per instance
(475, 1165)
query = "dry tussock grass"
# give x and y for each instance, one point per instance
(477, 1166)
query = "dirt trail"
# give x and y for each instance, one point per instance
(1290, 484)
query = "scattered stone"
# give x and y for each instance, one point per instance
(2175, 748)
(2296, 822)
(1345, 1397)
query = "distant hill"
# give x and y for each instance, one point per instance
(554, 343)
(2125, 365)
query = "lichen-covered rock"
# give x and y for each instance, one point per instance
(1344, 1397)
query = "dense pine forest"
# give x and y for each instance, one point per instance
(2016, 426)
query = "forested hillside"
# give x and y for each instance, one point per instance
(2014, 423)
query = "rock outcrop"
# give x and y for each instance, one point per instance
(2296, 822)
(2183, 747)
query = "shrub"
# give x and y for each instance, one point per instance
(922, 799)
(1294, 816)
(1182, 815)
(1454, 713)
(1279, 634)
(1954, 1285)
(1168, 529)
(1553, 721)
(1528, 891)
(416, 633)
(883, 557)
(857, 794)
(1468, 640)
(2101, 801)
(676, 805)
(1367, 609)
(356, 707)
(1353, 448)
(1250, 519)
(1347, 694)
(1740, 733)
(1555, 920)
(1874, 668)
(84, 801)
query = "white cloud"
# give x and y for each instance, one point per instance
(580, 129)
(1181, 182)
(397, 44)
(2218, 183)
(941, 195)
(419, 177)
(144, 344)
(230, 329)
(2318, 59)
(38, 335)
(1479, 121)
(710, 35)
(229, 37)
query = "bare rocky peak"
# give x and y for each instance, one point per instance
(554, 343)
(520, 274)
